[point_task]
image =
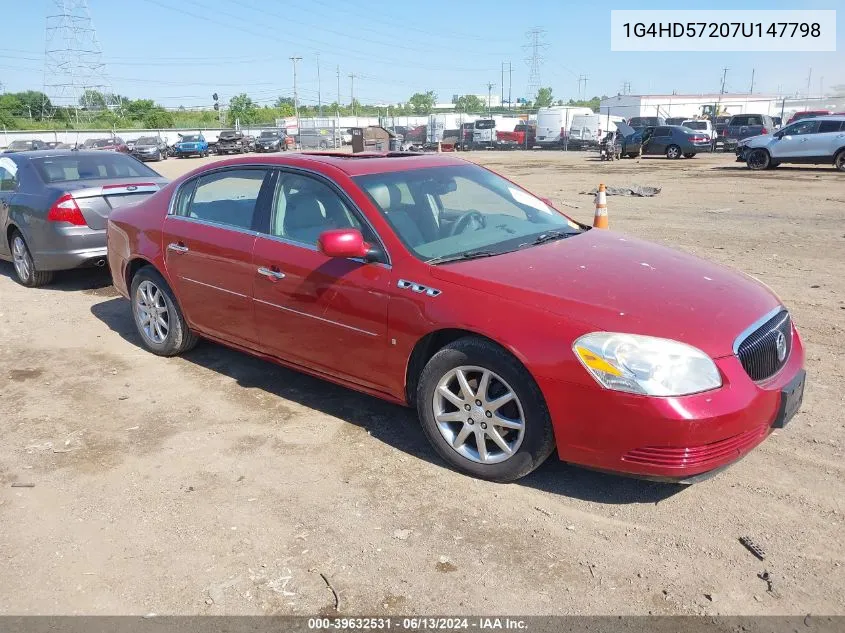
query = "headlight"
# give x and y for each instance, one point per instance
(646, 365)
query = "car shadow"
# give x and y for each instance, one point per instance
(392, 424)
(91, 279)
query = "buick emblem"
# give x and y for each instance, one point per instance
(780, 346)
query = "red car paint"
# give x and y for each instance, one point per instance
(534, 302)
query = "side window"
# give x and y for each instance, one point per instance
(183, 198)
(226, 197)
(830, 126)
(807, 126)
(663, 131)
(304, 207)
(7, 180)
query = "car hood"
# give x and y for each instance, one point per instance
(759, 140)
(616, 283)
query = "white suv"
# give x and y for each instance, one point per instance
(817, 141)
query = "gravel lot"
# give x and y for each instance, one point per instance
(220, 484)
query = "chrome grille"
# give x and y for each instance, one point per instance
(758, 352)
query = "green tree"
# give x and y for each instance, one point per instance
(422, 103)
(544, 98)
(158, 117)
(92, 100)
(469, 103)
(593, 103)
(243, 108)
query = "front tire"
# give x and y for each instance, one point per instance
(758, 160)
(673, 152)
(25, 266)
(483, 412)
(157, 317)
(839, 161)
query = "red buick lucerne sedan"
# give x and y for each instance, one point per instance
(433, 282)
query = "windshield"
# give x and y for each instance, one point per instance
(146, 140)
(269, 135)
(106, 142)
(90, 167)
(441, 212)
(191, 139)
(485, 125)
(225, 136)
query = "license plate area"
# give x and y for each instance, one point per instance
(791, 397)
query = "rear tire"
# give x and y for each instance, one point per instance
(673, 152)
(471, 439)
(689, 155)
(157, 316)
(758, 160)
(25, 271)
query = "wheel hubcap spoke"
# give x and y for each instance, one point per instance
(478, 414)
(151, 312)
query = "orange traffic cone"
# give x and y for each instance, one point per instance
(600, 219)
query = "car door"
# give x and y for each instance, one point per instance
(659, 141)
(8, 185)
(208, 238)
(793, 142)
(829, 138)
(328, 314)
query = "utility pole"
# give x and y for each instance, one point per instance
(502, 102)
(510, 83)
(337, 111)
(319, 94)
(295, 59)
(489, 94)
(809, 77)
(352, 91)
(751, 90)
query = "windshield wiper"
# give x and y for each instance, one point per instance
(460, 257)
(548, 237)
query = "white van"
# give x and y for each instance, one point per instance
(588, 130)
(553, 124)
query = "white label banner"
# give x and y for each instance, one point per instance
(718, 30)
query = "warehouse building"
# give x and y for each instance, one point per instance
(689, 106)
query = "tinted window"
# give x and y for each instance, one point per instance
(831, 126)
(305, 207)
(90, 167)
(696, 125)
(147, 140)
(192, 139)
(226, 197)
(663, 131)
(21, 145)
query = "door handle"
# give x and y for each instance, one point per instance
(177, 247)
(273, 275)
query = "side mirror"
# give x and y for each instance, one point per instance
(343, 243)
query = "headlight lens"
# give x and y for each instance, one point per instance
(646, 365)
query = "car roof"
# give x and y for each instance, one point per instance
(47, 153)
(363, 163)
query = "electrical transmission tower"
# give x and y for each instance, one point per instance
(535, 47)
(73, 60)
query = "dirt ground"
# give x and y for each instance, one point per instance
(220, 484)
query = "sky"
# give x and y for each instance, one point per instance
(179, 52)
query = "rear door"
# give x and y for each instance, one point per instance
(325, 313)
(660, 139)
(208, 238)
(829, 138)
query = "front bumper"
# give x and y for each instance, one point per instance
(268, 148)
(673, 439)
(188, 151)
(147, 155)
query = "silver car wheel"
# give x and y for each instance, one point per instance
(151, 312)
(21, 258)
(479, 414)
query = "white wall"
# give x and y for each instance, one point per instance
(687, 106)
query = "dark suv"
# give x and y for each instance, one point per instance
(232, 142)
(744, 125)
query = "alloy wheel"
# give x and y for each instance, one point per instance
(673, 152)
(151, 312)
(23, 266)
(479, 414)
